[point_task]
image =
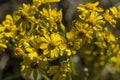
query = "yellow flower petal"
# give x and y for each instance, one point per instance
(44, 45)
(46, 51)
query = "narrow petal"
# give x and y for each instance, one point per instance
(44, 45)
(46, 51)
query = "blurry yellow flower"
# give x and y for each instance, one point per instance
(83, 31)
(59, 72)
(52, 19)
(18, 52)
(115, 11)
(52, 45)
(2, 46)
(73, 43)
(89, 7)
(95, 20)
(109, 18)
(52, 15)
(3, 42)
(106, 41)
(8, 27)
(115, 61)
(39, 2)
(109, 36)
(35, 45)
(24, 18)
(32, 65)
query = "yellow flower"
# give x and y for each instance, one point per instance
(8, 27)
(7, 31)
(89, 7)
(39, 2)
(32, 65)
(52, 15)
(24, 19)
(106, 41)
(109, 18)
(115, 61)
(59, 72)
(2, 46)
(35, 45)
(3, 42)
(72, 42)
(52, 45)
(83, 31)
(52, 19)
(95, 20)
(115, 11)
(18, 51)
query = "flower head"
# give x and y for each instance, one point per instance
(52, 45)
(32, 65)
(115, 11)
(73, 43)
(109, 18)
(39, 2)
(89, 7)
(83, 31)
(8, 28)
(59, 72)
(95, 20)
(24, 19)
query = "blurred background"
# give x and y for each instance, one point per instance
(10, 65)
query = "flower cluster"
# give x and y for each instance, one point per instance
(36, 33)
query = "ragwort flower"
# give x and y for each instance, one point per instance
(89, 7)
(52, 45)
(7, 31)
(51, 15)
(39, 2)
(52, 19)
(95, 20)
(35, 45)
(106, 41)
(8, 28)
(115, 11)
(59, 72)
(3, 43)
(109, 18)
(73, 43)
(83, 31)
(24, 18)
(32, 65)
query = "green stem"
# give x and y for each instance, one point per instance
(70, 77)
(72, 66)
(45, 77)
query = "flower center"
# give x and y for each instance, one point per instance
(70, 44)
(82, 33)
(24, 15)
(52, 45)
(8, 29)
(34, 65)
(17, 51)
(39, 51)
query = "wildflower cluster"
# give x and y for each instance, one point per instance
(36, 33)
